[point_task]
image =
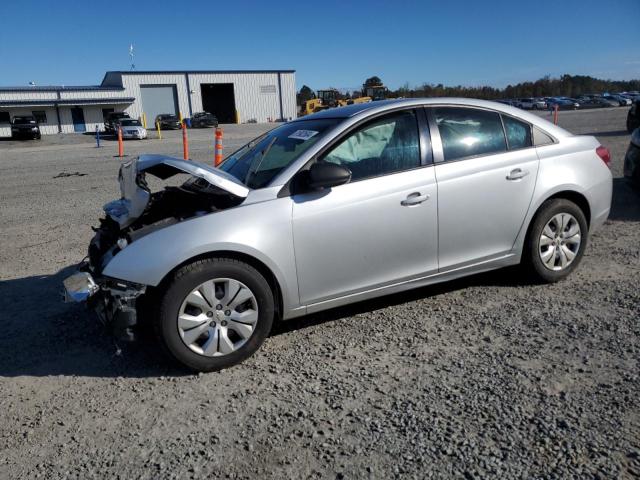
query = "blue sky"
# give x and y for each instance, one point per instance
(328, 43)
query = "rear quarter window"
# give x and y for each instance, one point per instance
(541, 138)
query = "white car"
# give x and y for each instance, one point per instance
(132, 128)
(340, 206)
(531, 103)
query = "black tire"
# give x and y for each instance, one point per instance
(531, 260)
(188, 278)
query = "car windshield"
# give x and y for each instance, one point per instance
(259, 161)
(24, 120)
(168, 117)
(130, 123)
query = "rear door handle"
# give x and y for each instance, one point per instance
(517, 174)
(415, 198)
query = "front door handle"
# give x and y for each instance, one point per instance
(415, 198)
(517, 174)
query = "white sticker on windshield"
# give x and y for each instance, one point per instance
(303, 134)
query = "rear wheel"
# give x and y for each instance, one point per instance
(215, 313)
(556, 240)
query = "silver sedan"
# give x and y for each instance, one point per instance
(340, 206)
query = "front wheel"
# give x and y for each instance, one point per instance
(556, 241)
(215, 313)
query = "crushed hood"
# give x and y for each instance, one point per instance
(136, 195)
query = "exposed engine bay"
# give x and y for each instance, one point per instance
(140, 212)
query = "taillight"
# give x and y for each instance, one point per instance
(603, 153)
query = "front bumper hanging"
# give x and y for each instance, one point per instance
(113, 301)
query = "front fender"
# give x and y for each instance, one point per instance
(260, 230)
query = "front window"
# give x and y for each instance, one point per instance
(258, 162)
(385, 145)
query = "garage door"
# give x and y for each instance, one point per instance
(157, 99)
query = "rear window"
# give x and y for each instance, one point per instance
(23, 120)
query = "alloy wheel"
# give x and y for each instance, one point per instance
(560, 241)
(218, 317)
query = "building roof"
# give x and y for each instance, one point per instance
(115, 87)
(67, 101)
(160, 72)
(61, 88)
(114, 77)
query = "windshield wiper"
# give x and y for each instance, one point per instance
(256, 163)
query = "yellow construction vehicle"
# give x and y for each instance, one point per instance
(329, 99)
(324, 99)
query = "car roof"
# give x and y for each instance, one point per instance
(380, 106)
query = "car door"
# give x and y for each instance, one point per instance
(486, 169)
(381, 227)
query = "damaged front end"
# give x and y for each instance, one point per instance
(138, 213)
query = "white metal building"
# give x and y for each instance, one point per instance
(233, 96)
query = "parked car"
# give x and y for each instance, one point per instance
(531, 104)
(168, 121)
(617, 100)
(592, 102)
(25, 126)
(336, 207)
(633, 117)
(132, 128)
(563, 103)
(632, 159)
(203, 119)
(633, 98)
(112, 119)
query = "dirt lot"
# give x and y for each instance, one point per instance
(482, 377)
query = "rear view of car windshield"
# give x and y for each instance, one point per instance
(258, 162)
(23, 120)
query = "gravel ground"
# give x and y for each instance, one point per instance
(481, 377)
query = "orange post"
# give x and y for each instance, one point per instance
(185, 142)
(120, 143)
(218, 147)
(555, 115)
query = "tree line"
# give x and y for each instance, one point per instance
(566, 86)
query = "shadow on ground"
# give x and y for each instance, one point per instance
(42, 336)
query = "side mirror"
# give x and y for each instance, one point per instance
(327, 175)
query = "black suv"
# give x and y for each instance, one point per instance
(25, 127)
(203, 119)
(112, 120)
(167, 121)
(633, 117)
